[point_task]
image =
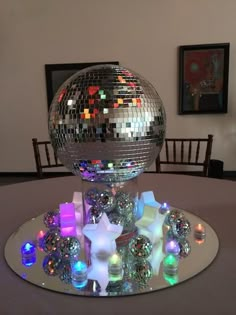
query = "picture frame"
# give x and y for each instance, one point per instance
(56, 74)
(203, 78)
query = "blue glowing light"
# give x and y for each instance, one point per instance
(24, 276)
(79, 284)
(28, 249)
(28, 254)
(80, 266)
(164, 208)
(79, 275)
(28, 261)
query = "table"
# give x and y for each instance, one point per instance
(211, 292)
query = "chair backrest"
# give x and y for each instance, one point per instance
(186, 151)
(45, 156)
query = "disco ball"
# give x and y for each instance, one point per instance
(107, 124)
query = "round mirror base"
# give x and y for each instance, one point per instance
(161, 269)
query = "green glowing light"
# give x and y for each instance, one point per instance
(171, 260)
(171, 279)
(115, 278)
(115, 259)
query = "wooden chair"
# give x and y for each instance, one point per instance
(186, 151)
(45, 157)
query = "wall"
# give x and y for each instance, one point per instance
(142, 34)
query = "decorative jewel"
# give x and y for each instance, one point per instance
(69, 247)
(65, 272)
(52, 264)
(105, 201)
(115, 218)
(91, 196)
(140, 246)
(181, 228)
(51, 219)
(169, 235)
(125, 206)
(124, 203)
(128, 222)
(94, 215)
(127, 259)
(173, 216)
(141, 271)
(50, 241)
(40, 239)
(185, 248)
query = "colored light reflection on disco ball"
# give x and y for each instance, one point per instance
(107, 124)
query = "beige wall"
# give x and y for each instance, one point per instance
(142, 34)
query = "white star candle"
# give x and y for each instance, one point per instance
(102, 237)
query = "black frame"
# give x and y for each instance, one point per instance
(50, 69)
(210, 101)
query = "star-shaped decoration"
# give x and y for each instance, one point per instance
(156, 226)
(147, 198)
(156, 257)
(151, 223)
(102, 236)
(152, 220)
(99, 271)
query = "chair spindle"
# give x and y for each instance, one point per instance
(182, 151)
(47, 154)
(167, 151)
(197, 151)
(189, 151)
(174, 150)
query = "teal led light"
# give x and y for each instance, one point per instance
(80, 266)
(79, 275)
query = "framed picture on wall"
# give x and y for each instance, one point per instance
(203, 78)
(56, 74)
